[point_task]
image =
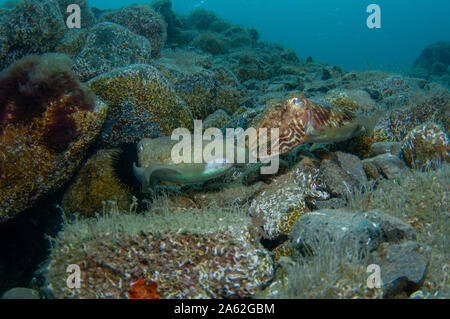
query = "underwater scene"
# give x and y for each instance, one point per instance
(215, 149)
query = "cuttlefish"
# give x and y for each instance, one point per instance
(299, 120)
(156, 163)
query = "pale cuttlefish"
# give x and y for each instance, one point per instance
(299, 120)
(156, 163)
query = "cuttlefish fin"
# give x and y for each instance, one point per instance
(146, 175)
(369, 122)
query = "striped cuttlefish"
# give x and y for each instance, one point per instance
(301, 120)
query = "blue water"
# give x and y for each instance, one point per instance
(334, 31)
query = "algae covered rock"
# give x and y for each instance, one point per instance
(218, 119)
(213, 43)
(164, 8)
(95, 184)
(191, 254)
(143, 104)
(30, 27)
(144, 21)
(201, 19)
(435, 53)
(203, 89)
(281, 203)
(31, 168)
(45, 131)
(108, 46)
(426, 145)
(396, 124)
(72, 43)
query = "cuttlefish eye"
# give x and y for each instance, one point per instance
(298, 102)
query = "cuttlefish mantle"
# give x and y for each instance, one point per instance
(156, 164)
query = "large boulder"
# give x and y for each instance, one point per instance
(32, 168)
(143, 104)
(204, 89)
(30, 27)
(144, 21)
(191, 256)
(434, 55)
(48, 119)
(108, 46)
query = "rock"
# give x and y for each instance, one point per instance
(326, 74)
(197, 254)
(143, 104)
(72, 42)
(344, 229)
(21, 293)
(280, 203)
(216, 120)
(379, 148)
(108, 46)
(144, 21)
(277, 207)
(339, 182)
(30, 27)
(320, 86)
(403, 268)
(245, 119)
(213, 43)
(352, 165)
(164, 8)
(371, 170)
(374, 94)
(397, 124)
(439, 68)
(435, 53)
(426, 145)
(392, 228)
(201, 19)
(95, 184)
(203, 89)
(290, 56)
(356, 232)
(334, 203)
(353, 100)
(45, 132)
(388, 165)
(220, 26)
(32, 169)
(252, 72)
